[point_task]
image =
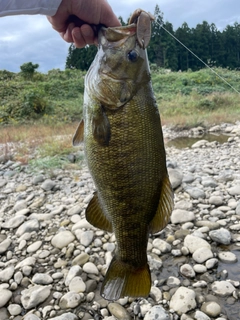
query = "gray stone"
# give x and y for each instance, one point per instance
(48, 185)
(175, 177)
(28, 226)
(221, 235)
(29, 261)
(73, 272)
(216, 200)
(195, 193)
(37, 179)
(209, 182)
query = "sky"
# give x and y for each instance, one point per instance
(31, 38)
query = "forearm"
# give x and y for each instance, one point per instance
(14, 7)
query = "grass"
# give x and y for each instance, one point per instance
(37, 118)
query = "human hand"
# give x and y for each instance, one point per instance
(77, 20)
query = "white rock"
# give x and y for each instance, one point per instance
(42, 278)
(34, 296)
(28, 226)
(199, 268)
(223, 288)
(5, 296)
(89, 267)
(156, 294)
(30, 261)
(86, 238)
(6, 274)
(181, 216)
(202, 254)
(34, 246)
(62, 239)
(211, 308)
(227, 257)
(118, 311)
(187, 271)
(211, 263)
(14, 309)
(4, 245)
(77, 285)
(73, 272)
(157, 313)
(14, 222)
(183, 300)
(162, 245)
(199, 315)
(65, 316)
(70, 300)
(194, 243)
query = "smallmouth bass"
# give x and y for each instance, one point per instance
(125, 154)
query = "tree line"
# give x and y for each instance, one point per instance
(216, 48)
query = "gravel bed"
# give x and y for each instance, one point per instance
(52, 261)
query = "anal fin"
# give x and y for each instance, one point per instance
(124, 280)
(95, 215)
(165, 207)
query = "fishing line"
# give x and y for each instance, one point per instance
(206, 65)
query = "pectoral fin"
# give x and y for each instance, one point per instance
(79, 134)
(101, 127)
(165, 207)
(95, 215)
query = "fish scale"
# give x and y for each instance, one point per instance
(126, 157)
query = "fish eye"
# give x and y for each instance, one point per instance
(132, 56)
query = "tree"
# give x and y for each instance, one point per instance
(28, 69)
(80, 58)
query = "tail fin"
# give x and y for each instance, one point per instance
(124, 280)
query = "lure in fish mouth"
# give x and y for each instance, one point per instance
(125, 153)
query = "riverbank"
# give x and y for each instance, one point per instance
(53, 262)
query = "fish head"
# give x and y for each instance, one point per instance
(120, 66)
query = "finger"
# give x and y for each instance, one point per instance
(83, 36)
(67, 34)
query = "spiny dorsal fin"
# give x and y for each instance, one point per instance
(165, 207)
(79, 134)
(95, 215)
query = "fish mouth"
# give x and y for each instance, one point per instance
(118, 34)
